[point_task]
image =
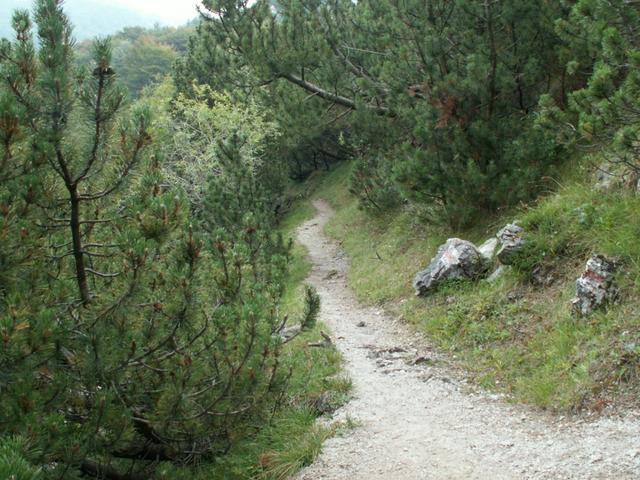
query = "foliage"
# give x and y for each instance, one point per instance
(199, 132)
(142, 56)
(441, 97)
(13, 462)
(603, 47)
(373, 185)
(138, 337)
(310, 131)
(143, 61)
(145, 282)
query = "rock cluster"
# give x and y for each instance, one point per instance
(595, 287)
(460, 259)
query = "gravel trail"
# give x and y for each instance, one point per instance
(418, 418)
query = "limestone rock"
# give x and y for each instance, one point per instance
(615, 175)
(511, 238)
(456, 259)
(595, 287)
(488, 249)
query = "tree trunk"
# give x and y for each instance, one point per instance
(493, 55)
(78, 251)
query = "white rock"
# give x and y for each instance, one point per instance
(488, 249)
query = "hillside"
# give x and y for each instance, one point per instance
(90, 17)
(516, 335)
(439, 421)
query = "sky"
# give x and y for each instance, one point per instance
(106, 17)
(173, 12)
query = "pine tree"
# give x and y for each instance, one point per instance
(438, 95)
(133, 334)
(602, 50)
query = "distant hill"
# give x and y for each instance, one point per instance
(142, 55)
(89, 17)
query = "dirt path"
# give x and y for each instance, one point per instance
(419, 420)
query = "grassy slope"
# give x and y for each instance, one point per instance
(294, 438)
(512, 335)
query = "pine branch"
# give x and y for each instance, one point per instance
(332, 97)
(106, 472)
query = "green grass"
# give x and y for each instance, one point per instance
(293, 438)
(300, 265)
(511, 335)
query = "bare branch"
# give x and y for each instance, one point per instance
(339, 99)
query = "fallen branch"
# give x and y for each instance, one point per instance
(324, 343)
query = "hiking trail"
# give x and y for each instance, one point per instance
(418, 419)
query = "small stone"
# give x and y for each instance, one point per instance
(514, 296)
(331, 275)
(421, 360)
(361, 324)
(511, 239)
(595, 287)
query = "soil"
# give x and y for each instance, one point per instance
(417, 416)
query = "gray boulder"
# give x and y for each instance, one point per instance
(595, 287)
(511, 239)
(456, 259)
(488, 249)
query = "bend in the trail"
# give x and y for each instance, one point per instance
(420, 421)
